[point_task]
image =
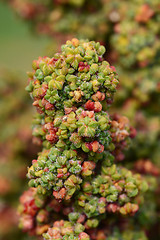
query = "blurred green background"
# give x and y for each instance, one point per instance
(18, 47)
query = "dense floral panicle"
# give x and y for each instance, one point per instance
(76, 169)
(72, 78)
(132, 28)
(112, 191)
(57, 171)
(63, 172)
(77, 129)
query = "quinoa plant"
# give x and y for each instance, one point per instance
(131, 34)
(76, 186)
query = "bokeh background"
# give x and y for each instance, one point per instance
(18, 47)
(136, 55)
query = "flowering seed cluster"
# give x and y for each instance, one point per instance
(57, 171)
(73, 113)
(115, 188)
(72, 78)
(71, 92)
(36, 207)
(137, 50)
(130, 31)
(77, 129)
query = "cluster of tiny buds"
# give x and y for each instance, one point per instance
(75, 171)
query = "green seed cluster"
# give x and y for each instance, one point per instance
(35, 207)
(71, 92)
(58, 171)
(111, 191)
(73, 130)
(57, 80)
